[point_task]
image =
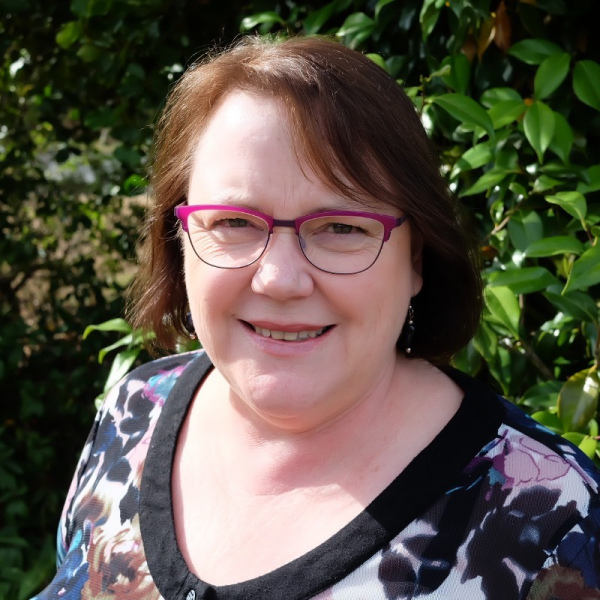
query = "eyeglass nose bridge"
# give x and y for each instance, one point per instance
(284, 223)
(289, 223)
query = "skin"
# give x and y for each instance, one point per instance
(308, 432)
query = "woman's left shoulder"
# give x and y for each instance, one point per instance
(533, 454)
(545, 470)
(522, 453)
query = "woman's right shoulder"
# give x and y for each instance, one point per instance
(152, 380)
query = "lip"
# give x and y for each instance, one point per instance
(277, 347)
(291, 327)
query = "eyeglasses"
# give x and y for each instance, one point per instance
(338, 241)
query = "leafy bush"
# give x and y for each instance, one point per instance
(510, 93)
(80, 83)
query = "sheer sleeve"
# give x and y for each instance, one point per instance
(63, 537)
(573, 568)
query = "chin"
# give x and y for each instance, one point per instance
(275, 396)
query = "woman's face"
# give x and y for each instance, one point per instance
(245, 158)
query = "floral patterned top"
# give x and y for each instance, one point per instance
(495, 508)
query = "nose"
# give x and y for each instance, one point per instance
(283, 273)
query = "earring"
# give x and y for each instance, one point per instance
(409, 329)
(189, 326)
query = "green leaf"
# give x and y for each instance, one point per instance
(460, 72)
(120, 366)
(466, 110)
(134, 185)
(534, 51)
(430, 12)
(69, 33)
(473, 158)
(313, 23)
(120, 325)
(81, 7)
(89, 53)
(523, 281)
(263, 18)
(542, 395)
(504, 306)
(356, 28)
(501, 366)
(574, 437)
(486, 339)
(585, 270)
(506, 111)
(578, 305)
(544, 183)
(379, 6)
(124, 341)
(487, 181)
(468, 360)
(550, 74)
(572, 202)
(378, 60)
(586, 82)
(548, 419)
(588, 446)
(501, 94)
(562, 142)
(578, 400)
(397, 64)
(552, 246)
(539, 127)
(524, 229)
(591, 180)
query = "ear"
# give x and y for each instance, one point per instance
(416, 257)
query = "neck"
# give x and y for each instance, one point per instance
(266, 457)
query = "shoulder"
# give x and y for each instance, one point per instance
(533, 454)
(535, 487)
(101, 515)
(152, 381)
(522, 453)
(542, 492)
(124, 425)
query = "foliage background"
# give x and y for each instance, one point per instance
(509, 91)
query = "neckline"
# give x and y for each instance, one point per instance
(474, 424)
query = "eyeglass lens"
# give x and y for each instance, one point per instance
(338, 244)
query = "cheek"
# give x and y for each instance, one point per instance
(202, 292)
(377, 304)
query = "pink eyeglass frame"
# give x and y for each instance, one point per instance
(389, 223)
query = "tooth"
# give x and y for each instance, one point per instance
(264, 332)
(290, 336)
(312, 334)
(277, 335)
(303, 335)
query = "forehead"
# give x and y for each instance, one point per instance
(246, 155)
(245, 124)
(249, 149)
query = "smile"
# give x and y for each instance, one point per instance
(289, 336)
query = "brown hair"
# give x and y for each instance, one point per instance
(359, 131)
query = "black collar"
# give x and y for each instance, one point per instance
(430, 474)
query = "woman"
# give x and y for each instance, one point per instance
(317, 447)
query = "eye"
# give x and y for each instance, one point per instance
(344, 228)
(237, 222)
